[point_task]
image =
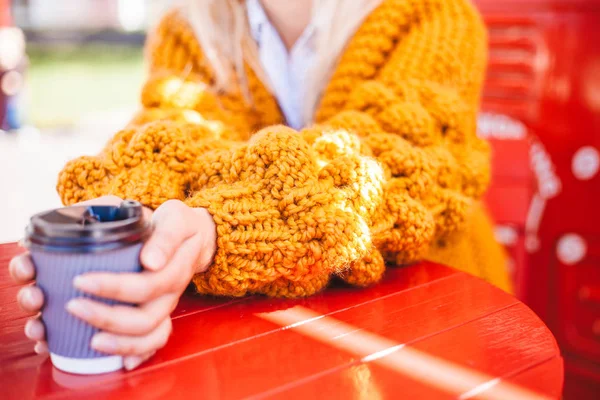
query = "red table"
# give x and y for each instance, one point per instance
(426, 331)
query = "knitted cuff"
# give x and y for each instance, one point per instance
(286, 217)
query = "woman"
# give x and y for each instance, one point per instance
(379, 162)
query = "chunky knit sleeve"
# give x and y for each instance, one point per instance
(408, 85)
(391, 169)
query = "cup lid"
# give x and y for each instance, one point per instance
(88, 228)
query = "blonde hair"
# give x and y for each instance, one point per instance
(221, 27)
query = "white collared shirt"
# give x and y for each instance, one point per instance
(287, 72)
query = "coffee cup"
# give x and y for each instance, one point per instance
(70, 241)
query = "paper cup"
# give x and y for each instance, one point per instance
(62, 249)
(69, 337)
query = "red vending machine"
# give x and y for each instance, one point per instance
(541, 111)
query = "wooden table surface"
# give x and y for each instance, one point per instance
(426, 331)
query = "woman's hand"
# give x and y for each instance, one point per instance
(182, 244)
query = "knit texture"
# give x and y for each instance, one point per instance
(391, 172)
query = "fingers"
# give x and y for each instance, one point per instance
(134, 288)
(142, 287)
(133, 345)
(35, 330)
(21, 268)
(174, 223)
(41, 348)
(184, 261)
(124, 320)
(30, 299)
(132, 362)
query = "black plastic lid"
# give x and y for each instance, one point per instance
(88, 228)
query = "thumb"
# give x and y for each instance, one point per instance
(174, 223)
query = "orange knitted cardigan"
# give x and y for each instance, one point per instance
(390, 173)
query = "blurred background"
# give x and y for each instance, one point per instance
(71, 73)
(85, 56)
